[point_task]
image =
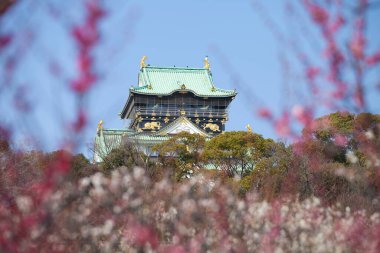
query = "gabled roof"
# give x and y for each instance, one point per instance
(165, 81)
(106, 140)
(179, 125)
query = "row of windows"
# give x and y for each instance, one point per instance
(185, 106)
(181, 100)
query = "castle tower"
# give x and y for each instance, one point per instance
(166, 101)
(164, 95)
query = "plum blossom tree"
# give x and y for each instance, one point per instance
(42, 209)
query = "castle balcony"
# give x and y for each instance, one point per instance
(175, 111)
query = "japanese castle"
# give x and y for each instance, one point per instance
(166, 101)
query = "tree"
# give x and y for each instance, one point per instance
(268, 176)
(80, 166)
(342, 135)
(4, 140)
(182, 152)
(126, 155)
(237, 153)
(338, 158)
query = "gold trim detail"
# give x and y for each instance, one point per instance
(152, 125)
(212, 127)
(100, 125)
(142, 62)
(207, 63)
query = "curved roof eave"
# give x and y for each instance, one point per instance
(232, 94)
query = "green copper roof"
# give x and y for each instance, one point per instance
(165, 81)
(149, 138)
(106, 140)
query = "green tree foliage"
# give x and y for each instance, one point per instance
(336, 123)
(80, 166)
(336, 134)
(182, 153)
(127, 155)
(237, 153)
(268, 174)
(338, 158)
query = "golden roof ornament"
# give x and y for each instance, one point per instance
(100, 127)
(142, 62)
(100, 124)
(207, 63)
(249, 128)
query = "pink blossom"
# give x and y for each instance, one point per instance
(83, 83)
(373, 59)
(264, 113)
(335, 57)
(339, 22)
(96, 12)
(318, 13)
(80, 121)
(141, 235)
(312, 72)
(172, 249)
(302, 114)
(84, 62)
(357, 43)
(282, 125)
(341, 90)
(340, 140)
(5, 40)
(86, 35)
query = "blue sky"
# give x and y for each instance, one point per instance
(243, 50)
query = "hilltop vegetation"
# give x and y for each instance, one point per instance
(237, 188)
(335, 160)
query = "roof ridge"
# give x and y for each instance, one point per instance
(186, 68)
(116, 130)
(167, 80)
